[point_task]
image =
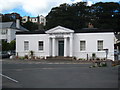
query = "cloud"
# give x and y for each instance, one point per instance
(36, 7)
(89, 3)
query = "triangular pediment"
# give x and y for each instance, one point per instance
(59, 29)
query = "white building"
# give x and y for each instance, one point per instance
(9, 29)
(61, 41)
(40, 19)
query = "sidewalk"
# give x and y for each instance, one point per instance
(47, 61)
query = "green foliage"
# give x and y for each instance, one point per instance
(10, 17)
(8, 46)
(5, 46)
(31, 53)
(30, 26)
(12, 45)
(93, 55)
(26, 56)
(78, 15)
(22, 58)
(104, 65)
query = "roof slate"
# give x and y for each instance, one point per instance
(83, 30)
(12, 25)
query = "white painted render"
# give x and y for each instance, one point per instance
(71, 43)
(9, 36)
(91, 44)
(33, 44)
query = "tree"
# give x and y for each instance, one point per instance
(5, 46)
(12, 45)
(78, 15)
(70, 16)
(10, 17)
(30, 26)
(106, 15)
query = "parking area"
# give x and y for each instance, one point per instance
(55, 75)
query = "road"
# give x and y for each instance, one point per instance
(37, 75)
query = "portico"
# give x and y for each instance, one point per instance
(60, 42)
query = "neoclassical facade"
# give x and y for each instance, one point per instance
(61, 41)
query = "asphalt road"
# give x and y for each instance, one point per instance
(58, 76)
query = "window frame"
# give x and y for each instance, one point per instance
(99, 45)
(4, 31)
(26, 45)
(41, 48)
(83, 46)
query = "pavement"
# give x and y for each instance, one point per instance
(47, 61)
(57, 74)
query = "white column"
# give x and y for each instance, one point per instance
(65, 46)
(71, 46)
(50, 46)
(53, 47)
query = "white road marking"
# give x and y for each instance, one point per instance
(9, 78)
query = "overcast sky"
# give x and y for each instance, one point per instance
(37, 7)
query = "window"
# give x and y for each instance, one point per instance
(100, 45)
(82, 45)
(4, 32)
(40, 45)
(26, 45)
(24, 20)
(42, 19)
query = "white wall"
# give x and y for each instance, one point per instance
(9, 36)
(33, 44)
(90, 38)
(91, 44)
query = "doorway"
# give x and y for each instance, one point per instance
(60, 48)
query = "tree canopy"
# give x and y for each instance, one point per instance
(30, 26)
(78, 15)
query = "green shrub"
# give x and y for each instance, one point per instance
(22, 58)
(26, 57)
(104, 65)
(93, 56)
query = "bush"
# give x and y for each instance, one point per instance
(26, 56)
(81, 59)
(104, 65)
(97, 58)
(93, 56)
(31, 53)
(12, 45)
(22, 58)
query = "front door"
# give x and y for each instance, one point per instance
(61, 48)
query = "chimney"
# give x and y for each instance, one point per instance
(17, 23)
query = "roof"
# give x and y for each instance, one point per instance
(32, 32)
(83, 30)
(59, 29)
(93, 30)
(12, 25)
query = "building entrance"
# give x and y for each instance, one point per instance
(60, 48)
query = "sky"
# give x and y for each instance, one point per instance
(37, 7)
